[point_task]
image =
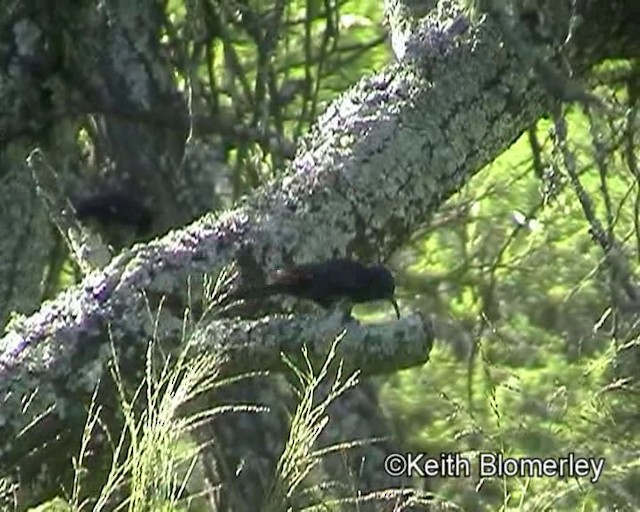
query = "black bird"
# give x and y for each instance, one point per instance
(115, 208)
(329, 282)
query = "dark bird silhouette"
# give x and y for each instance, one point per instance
(329, 282)
(115, 208)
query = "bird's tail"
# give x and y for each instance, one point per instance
(257, 292)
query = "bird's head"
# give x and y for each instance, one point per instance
(383, 286)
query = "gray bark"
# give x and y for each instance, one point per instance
(25, 240)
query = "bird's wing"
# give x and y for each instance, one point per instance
(344, 277)
(298, 278)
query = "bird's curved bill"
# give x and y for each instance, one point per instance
(395, 306)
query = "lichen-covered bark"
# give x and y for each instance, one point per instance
(61, 61)
(377, 164)
(258, 344)
(57, 62)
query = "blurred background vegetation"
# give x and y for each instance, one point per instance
(532, 327)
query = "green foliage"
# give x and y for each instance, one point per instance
(513, 265)
(324, 49)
